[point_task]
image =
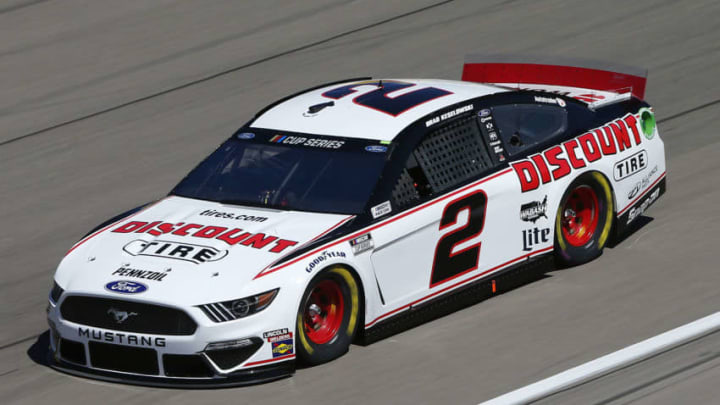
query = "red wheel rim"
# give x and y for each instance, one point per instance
(323, 313)
(580, 215)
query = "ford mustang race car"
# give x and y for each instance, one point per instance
(344, 209)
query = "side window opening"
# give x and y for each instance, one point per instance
(524, 125)
(446, 157)
(405, 191)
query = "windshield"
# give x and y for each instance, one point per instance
(304, 173)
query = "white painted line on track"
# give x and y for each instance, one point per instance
(606, 364)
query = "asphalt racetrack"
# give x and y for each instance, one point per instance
(104, 105)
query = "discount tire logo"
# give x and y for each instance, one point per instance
(175, 250)
(629, 166)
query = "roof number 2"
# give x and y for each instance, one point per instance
(381, 99)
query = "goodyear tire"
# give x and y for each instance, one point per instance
(584, 219)
(328, 316)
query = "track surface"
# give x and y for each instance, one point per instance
(104, 105)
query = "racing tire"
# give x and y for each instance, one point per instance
(584, 219)
(328, 316)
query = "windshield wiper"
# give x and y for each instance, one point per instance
(254, 204)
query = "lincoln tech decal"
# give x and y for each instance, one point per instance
(278, 335)
(234, 236)
(559, 161)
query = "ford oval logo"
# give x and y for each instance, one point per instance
(376, 148)
(126, 287)
(245, 135)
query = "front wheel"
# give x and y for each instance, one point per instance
(584, 219)
(328, 316)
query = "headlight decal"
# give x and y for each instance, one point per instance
(235, 309)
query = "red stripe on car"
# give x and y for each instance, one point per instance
(508, 263)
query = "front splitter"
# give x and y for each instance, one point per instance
(252, 376)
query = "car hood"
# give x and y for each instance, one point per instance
(187, 251)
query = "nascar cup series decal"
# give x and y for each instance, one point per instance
(126, 287)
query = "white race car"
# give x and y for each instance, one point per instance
(352, 209)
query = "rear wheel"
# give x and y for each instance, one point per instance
(328, 316)
(584, 219)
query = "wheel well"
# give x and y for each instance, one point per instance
(609, 183)
(611, 190)
(361, 311)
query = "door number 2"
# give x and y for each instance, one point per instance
(447, 264)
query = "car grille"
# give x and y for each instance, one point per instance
(127, 316)
(73, 352)
(186, 365)
(123, 358)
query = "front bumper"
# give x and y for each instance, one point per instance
(239, 378)
(168, 360)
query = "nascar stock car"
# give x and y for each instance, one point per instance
(346, 207)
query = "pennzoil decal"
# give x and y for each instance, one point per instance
(138, 273)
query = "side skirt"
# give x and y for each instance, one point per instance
(503, 281)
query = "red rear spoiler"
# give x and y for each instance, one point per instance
(591, 75)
